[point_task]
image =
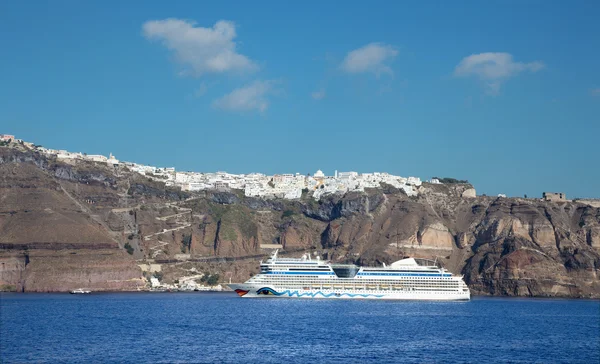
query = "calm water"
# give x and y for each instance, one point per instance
(220, 327)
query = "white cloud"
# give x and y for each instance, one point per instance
(247, 98)
(373, 57)
(200, 50)
(595, 91)
(318, 95)
(493, 68)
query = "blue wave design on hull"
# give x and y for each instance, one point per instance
(269, 291)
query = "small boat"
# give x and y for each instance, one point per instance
(80, 291)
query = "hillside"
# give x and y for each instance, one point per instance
(64, 226)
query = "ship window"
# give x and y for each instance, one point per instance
(345, 271)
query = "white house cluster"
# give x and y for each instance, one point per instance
(288, 186)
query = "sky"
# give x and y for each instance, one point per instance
(505, 94)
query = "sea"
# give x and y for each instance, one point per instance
(204, 327)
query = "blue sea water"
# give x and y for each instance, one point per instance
(223, 328)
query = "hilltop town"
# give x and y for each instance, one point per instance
(287, 186)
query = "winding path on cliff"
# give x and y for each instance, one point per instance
(96, 218)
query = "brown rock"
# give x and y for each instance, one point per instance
(436, 236)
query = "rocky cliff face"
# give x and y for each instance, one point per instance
(65, 226)
(51, 239)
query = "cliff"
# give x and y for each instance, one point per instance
(64, 226)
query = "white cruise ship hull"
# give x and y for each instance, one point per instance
(257, 291)
(304, 277)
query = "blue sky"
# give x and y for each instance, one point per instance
(505, 94)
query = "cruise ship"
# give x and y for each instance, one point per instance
(406, 279)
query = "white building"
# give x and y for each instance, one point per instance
(221, 186)
(346, 175)
(283, 178)
(254, 189)
(112, 160)
(183, 177)
(96, 158)
(293, 193)
(63, 154)
(415, 181)
(195, 186)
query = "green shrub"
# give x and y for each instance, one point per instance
(449, 180)
(210, 279)
(287, 213)
(129, 248)
(228, 233)
(186, 242)
(213, 280)
(8, 288)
